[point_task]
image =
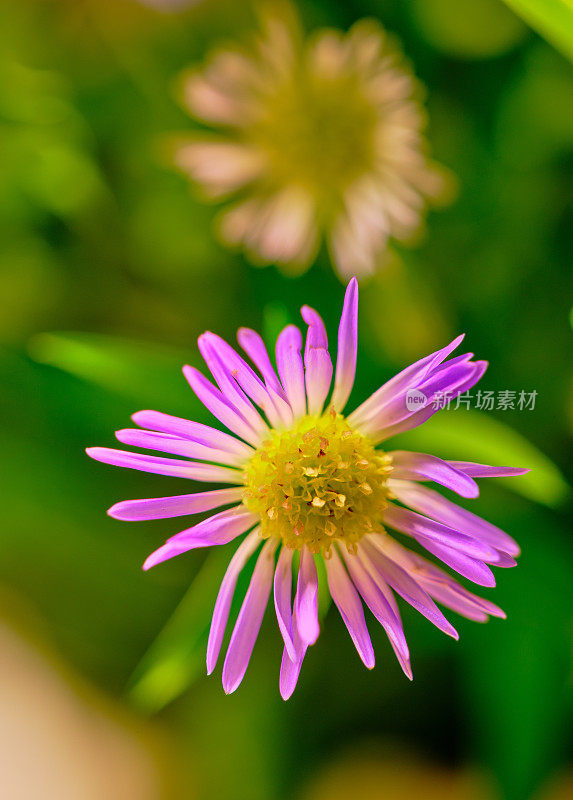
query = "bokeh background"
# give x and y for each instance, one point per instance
(108, 272)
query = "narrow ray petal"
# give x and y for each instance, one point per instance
(253, 345)
(283, 595)
(347, 348)
(406, 379)
(317, 361)
(423, 528)
(193, 470)
(221, 528)
(380, 607)
(195, 431)
(291, 368)
(471, 568)
(229, 386)
(237, 368)
(249, 620)
(167, 443)
(217, 404)
(432, 504)
(414, 466)
(442, 384)
(372, 550)
(290, 668)
(307, 598)
(348, 603)
(225, 596)
(447, 591)
(178, 506)
(483, 471)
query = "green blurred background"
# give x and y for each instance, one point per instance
(108, 272)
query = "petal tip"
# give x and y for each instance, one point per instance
(230, 686)
(115, 511)
(286, 694)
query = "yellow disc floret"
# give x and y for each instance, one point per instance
(317, 482)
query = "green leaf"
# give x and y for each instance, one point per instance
(474, 436)
(142, 372)
(553, 19)
(177, 656)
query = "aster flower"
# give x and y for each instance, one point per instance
(322, 138)
(306, 483)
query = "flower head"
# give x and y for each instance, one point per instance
(322, 136)
(308, 483)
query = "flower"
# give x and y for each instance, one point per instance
(322, 137)
(312, 485)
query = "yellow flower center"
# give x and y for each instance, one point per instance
(318, 132)
(317, 482)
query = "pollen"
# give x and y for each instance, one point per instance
(318, 482)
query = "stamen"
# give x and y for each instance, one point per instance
(336, 484)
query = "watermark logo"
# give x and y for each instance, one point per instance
(502, 400)
(415, 399)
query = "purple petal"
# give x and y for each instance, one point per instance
(348, 603)
(218, 405)
(438, 583)
(167, 443)
(290, 668)
(237, 368)
(504, 560)
(283, 594)
(413, 421)
(382, 610)
(283, 408)
(318, 376)
(347, 348)
(249, 620)
(166, 466)
(483, 471)
(428, 502)
(373, 554)
(445, 382)
(291, 369)
(478, 373)
(471, 568)
(253, 345)
(306, 605)
(400, 383)
(225, 596)
(317, 361)
(422, 528)
(178, 506)
(203, 434)
(219, 529)
(456, 597)
(414, 466)
(215, 358)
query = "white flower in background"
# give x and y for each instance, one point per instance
(321, 137)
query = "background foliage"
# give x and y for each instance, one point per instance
(109, 271)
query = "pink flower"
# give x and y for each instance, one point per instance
(322, 137)
(308, 485)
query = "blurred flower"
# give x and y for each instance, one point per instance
(62, 739)
(383, 769)
(323, 137)
(311, 483)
